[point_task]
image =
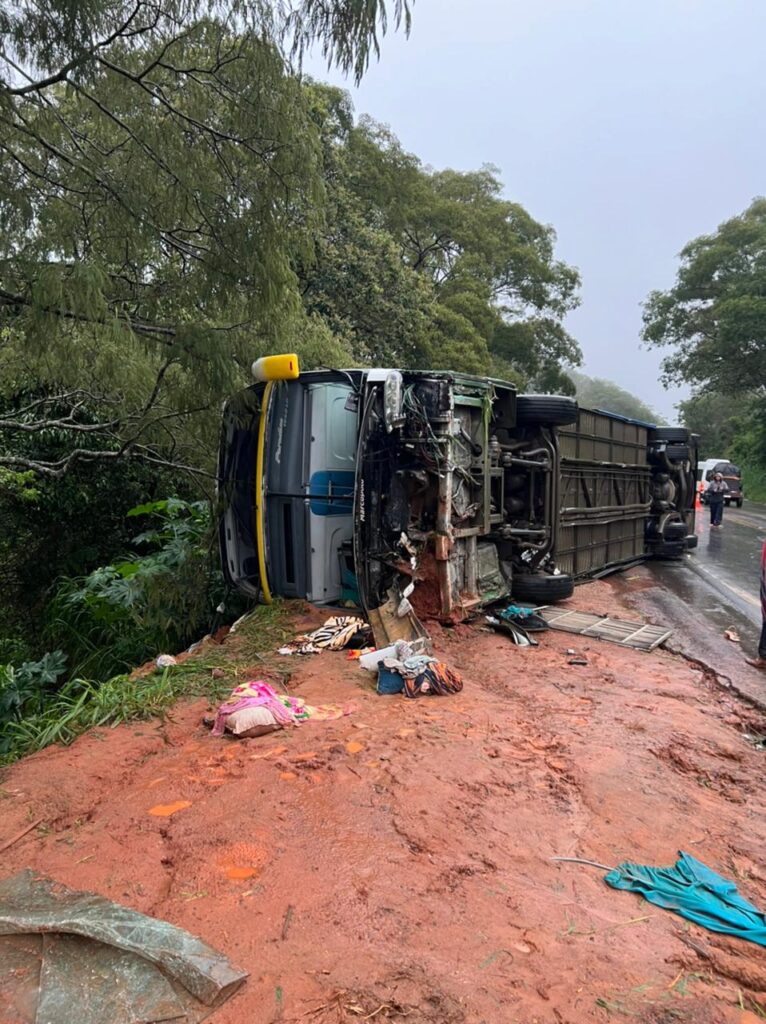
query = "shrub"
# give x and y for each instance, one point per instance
(123, 613)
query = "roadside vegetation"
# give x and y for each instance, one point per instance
(176, 199)
(714, 320)
(40, 703)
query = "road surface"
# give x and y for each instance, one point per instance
(729, 559)
(713, 589)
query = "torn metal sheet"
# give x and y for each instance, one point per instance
(74, 956)
(639, 635)
(388, 626)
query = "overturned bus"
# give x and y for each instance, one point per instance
(426, 494)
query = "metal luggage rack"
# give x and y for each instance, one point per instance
(638, 635)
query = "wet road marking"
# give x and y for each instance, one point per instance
(720, 582)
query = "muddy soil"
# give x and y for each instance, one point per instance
(397, 864)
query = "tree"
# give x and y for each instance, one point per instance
(161, 175)
(355, 281)
(500, 294)
(418, 269)
(715, 314)
(717, 419)
(596, 393)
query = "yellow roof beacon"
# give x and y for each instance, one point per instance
(282, 367)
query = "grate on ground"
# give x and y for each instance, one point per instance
(639, 635)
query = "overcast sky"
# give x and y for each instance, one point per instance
(631, 126)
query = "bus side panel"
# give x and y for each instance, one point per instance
(605, 494)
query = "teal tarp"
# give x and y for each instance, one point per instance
(694, 891)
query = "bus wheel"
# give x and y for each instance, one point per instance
(543, 588)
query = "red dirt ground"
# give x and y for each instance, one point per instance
(396, 864)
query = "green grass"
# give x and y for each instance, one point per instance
(82, 704)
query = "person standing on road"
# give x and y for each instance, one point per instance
(760, 661)
(716, 492)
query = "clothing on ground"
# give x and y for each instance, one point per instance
(419, 674)
(694, 891)
(526, 618)
(285, 709)
(337, 632)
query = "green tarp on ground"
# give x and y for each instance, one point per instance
(69, 956)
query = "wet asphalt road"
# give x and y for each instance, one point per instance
(715, 588)
(729, 559)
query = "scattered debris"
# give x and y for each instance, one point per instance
(165, 661)
(355, 655)
(20, 835)
(577, 661)
(524, 617)
(287, 921)
(167, 810)
(415, 674)
(255, 709)
(101, 961)
(514, 632)
(638, 635)
(733, 635)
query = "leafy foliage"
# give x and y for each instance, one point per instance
(715, 314)
(25, 691)
(717, 419)
(81, 704)
(423, 268)
(161, 176)
(120, 614)
(715, 319)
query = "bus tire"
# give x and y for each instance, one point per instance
(542, 589)
(676, 435)
(546, 410)
(677, 452)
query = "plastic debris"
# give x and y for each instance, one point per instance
(75, 956)
(165, 661)
(512, 630)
